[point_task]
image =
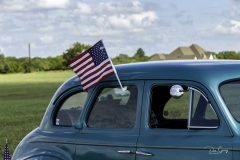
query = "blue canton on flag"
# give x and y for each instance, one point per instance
(6, 153)
(98, 53)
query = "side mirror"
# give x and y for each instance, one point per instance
(176, 91)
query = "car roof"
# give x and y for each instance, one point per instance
(202, 71)
(180, 69)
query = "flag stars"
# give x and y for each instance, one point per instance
(98, 53)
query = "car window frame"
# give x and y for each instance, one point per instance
(219, 89)
(191, 103)
(92, 98)
(223, 128)
(116, 103)
(60, 101)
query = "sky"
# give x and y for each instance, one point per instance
(156, 26)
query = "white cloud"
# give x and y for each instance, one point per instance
(228, 27)
(46, 28)
(32, 16)
(6, 39)
(111, 19)
(234, 10)
(46, 39)
(58, 4)
(143, 19)
(117, 7)
(32, 5)
(83, 8)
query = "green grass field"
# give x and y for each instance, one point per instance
(23, 101)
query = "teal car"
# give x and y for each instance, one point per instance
(171, 110)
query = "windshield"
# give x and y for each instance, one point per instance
(231, 95)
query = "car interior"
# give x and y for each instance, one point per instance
(160, 95)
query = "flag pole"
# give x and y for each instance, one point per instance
(123, 88)
(115, 71)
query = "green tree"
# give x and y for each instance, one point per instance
(3, 65)
(38, 64)
(140, 56)
(24, 61)
(74, 51)
(228, 55)
(140, 53)
(121, 59)
(14, 65)
(55, 63)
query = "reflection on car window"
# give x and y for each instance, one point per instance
(114, 108)
(231, 95)
(167, 112)
(176, 108)
(71, 109)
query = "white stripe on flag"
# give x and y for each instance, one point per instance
(97, 74)
(95, 81)
(83, 63)
(94, 69)
(77, 61)
(83, 70)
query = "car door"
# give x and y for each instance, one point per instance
(110, 124)
(186, 128)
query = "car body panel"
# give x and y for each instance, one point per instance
(80, 142)
(57, 146)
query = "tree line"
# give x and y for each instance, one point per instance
(12, 64)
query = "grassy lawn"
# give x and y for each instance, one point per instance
(23, 101)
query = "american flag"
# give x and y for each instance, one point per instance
(6, 153)
(92, 66)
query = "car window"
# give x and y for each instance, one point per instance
(114, 108)
(176, 108)
(181, 113)
(71, 109)
(231, 96)
(202, 115)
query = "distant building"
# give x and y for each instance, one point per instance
(192, 52)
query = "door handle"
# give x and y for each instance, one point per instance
(136, 152)
(143, 153)
(126, 152)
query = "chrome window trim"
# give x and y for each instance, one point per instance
(190, 109)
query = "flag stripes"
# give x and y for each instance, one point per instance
(92, 66)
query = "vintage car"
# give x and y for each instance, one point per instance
(171, 110)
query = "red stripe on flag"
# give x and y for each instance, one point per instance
(85, 68)
(96, 79)
(88, 72)
(103, 77)
(94, 76)
(78, 57)
(81, 62)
